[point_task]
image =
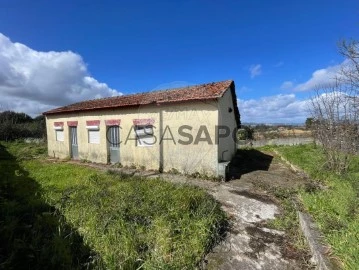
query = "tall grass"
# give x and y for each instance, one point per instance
(335, 208)
(130, 222)
(33, 234)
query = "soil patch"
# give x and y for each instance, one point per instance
(260, 240)
(256, 169)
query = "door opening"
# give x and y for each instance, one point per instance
(73, 142)
(113, 142)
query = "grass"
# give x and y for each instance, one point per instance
(60, 215)
(295, 246)
(335, 208)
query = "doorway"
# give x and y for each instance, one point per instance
(113, 139)
(74, 148)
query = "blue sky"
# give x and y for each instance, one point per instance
(276, 51)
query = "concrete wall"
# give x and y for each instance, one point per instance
(201, 157)
(227, 145)
(278, 141)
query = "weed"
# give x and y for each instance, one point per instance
(67, 158)
(93, 178)
(133, 166)
(126, 222)
(334, 208)
(33, 234)
(119, 175)
(173, 171)
(288, 221)
(118, 165)
(204, 176)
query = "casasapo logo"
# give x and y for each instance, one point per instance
(183, 135)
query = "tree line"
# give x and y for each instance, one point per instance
(15, 125)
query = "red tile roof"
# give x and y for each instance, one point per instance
(196, 92)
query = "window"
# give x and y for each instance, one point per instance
(144, 135)
(93, 127)
(59, 131)
(59, 135)
(94, 136)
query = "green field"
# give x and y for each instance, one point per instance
(335, 207)
(56, 215)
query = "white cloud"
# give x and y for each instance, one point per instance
(243, 89)
(274, 109)
(279, 64)
(320, 77)
(335, 104)
(287, 85)
(33, 81)
(255, 70)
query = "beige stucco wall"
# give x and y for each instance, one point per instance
(193, 157)
(201, 157)
(227, 145)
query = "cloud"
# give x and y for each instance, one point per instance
(287, 85)
(279, 64)
(243, 89)
(320, 77)
(255, 70)
(335, 104)
(274, 109)
(33, 81)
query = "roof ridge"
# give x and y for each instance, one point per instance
(155, 91)
(213, 90)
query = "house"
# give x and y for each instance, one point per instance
(189, 129)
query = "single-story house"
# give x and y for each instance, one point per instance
(189, 129)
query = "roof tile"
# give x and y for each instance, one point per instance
(195, 92)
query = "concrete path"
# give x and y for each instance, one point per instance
(248, 244)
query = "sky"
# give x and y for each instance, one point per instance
(53, 53)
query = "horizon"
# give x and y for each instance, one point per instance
(276, 53)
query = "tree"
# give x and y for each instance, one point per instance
(335, 126)
(349, 73)
(309, 122)
(335, 111)
(14, 117)
(14, 125)
(246, 133)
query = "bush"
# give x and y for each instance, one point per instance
(246, 133)
(15, 126)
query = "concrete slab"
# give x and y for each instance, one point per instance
(247, 245)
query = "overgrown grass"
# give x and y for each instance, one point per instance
(288, 221)
(125, 222)
(294, 245)
(33, 234)
(335, 208)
